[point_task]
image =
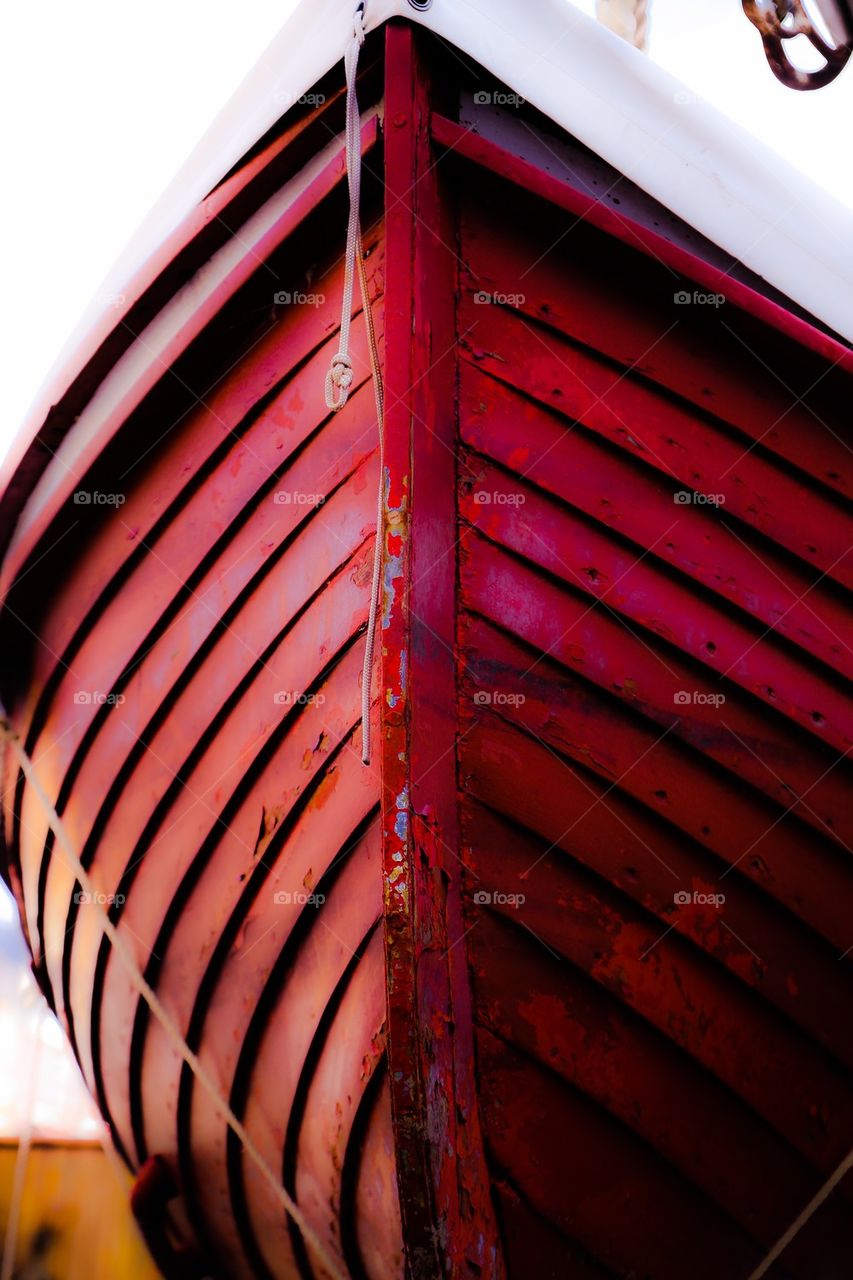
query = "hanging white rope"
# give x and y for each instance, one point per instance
(339, 377)
(146, 991)
(370, 639)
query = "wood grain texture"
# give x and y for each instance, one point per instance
(559, 985)
(654, 724)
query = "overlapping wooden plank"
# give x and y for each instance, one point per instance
(651, 600)
(574, 1163)
(183, 649)
(531, 999)
(608, 300)
(732, 477)
(574, 903)
(698, 826)
(254, 416)
(706, 542)
(192, 789)
(638, 669)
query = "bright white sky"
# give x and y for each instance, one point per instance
(101, 104)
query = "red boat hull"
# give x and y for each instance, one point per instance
(561, 980)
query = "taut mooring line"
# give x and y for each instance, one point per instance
(149, 995)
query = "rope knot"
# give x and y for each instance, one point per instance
(358, 23)
(338, 380)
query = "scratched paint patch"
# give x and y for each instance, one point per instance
(401, 826)
(396, 520)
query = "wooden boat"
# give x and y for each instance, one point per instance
(559, 985)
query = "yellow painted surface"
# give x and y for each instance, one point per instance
(75, 1220)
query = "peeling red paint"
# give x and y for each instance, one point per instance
(587, 947)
